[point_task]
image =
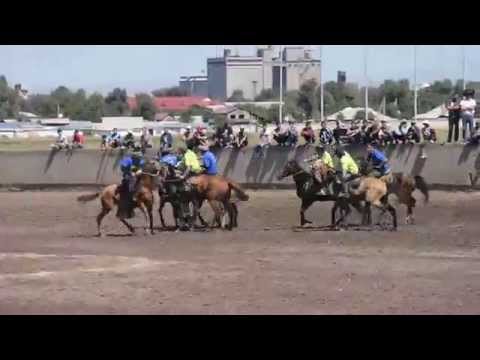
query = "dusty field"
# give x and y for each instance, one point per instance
(50, 263)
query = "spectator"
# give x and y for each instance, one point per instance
(384, 135)
(129, 140)
(340, 132)
(61, 142)
(103, 143)
(400, 135)
(187, 134)
(263, 143)
(199, 137)
(77, 140)
(224, 135)
(467, 108)
(373, 133)
(429, 134)
(354, 134)
(307, 132)
(280, 135)
(146, 139)
(114, 140)
(166, 140)
(292, 134)
(413, 133)
(325, 136)
(453, 119)
(241, 140)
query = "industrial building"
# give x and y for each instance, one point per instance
(252, 74)
(194, 85)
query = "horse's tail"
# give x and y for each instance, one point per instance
(421, 185)
(238, 191)
(87, 198)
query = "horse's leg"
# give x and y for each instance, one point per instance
(200, 217)
(228, 208)
(218, 213)
(235, 214)
(100, 217)
(160, 211)
(141, 206)
(149, 206)
(367, 212)
(305, 205)
(130, 227)
(410, 205)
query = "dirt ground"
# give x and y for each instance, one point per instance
(51, 262)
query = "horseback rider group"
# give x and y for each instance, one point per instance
(347, 169)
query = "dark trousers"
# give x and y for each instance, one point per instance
(453, 129)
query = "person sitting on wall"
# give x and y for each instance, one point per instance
(224, 135)
(384, 135)
(129, 140)
(280, 135)
(146, 139)
(166, 140)
(114, 140)
(400, 134)
(413, 133)
(339, 132)
(307, 132)
(354, 135)
(103, 142)
(241, 140)
(187, 134)
(61, 142)
(325, 136)
(77, 139)
(428, 133)
(292, 133)
(199, 137)
(263, 143)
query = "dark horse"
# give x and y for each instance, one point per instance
(307, 188)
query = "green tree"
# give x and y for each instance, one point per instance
(94, 108)
(237, 96)
(266, 95)
(307, 98)
(41, 104)
(170, 91)
(196, 110)
(116, 103)
(145, 107)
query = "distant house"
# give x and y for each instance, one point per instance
(163, 116)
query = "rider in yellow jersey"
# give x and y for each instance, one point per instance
(349, 169)
(322, 156)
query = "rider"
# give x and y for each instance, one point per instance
(130, 165)
(189, 163)
(349, 169)
(322, 156)
(378, 160)
(208, 159)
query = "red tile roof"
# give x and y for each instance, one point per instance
(176, 103)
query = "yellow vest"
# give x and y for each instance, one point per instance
(190, 160)
(327, 160)
(348, 164)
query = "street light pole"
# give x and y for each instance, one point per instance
(464, 68)
(415, 89)
(366, 81)
(322, 104)
(280, 112)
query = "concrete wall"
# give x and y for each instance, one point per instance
(444, 166)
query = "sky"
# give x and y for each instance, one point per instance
(42, 68)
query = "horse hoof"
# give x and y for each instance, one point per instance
(101, 235)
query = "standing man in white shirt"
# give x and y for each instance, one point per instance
(467, 113)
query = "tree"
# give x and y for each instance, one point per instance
(196, 110)
(237, 96)
(116, 103)
(43, 105)
(145, 107)
(170, 91)
(94, 108)
(266, 95)
(291, 105)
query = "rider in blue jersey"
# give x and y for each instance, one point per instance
(378, 160)
(130, 165)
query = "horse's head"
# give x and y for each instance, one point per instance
(290, 169)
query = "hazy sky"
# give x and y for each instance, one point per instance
(144, 68)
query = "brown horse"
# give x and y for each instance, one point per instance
(370, 190)
(403, 186)
(110, 198)
(217, 191)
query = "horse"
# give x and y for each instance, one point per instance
(110, 198)
(403, 186)
(302, 179)
(217, 190)
(201, 189)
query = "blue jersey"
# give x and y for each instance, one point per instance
(210, 163)
(169, 159)
(379, 161)
(128, 162)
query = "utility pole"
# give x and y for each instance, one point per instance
(366, 81)
(415, 89)
(322, 104)
(280, 112)
(464, 67)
